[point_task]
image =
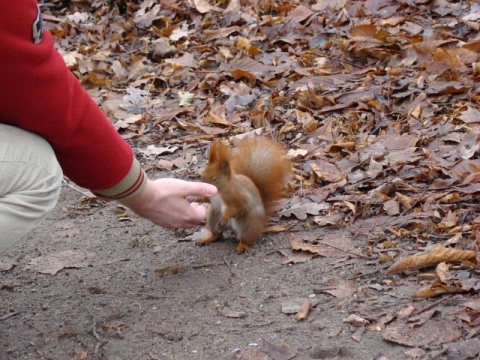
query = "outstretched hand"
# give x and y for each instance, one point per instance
(164, 202)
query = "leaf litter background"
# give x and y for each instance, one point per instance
(377, 104)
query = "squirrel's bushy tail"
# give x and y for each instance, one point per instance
(264, 162)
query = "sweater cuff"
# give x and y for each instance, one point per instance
(130, 186)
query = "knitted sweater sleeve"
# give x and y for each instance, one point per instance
(39, 94)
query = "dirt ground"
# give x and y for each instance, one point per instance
(149, 293)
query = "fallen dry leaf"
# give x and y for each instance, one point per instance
(473, 304)
(294, 257)
(326, 171)
(433, 257)
(302, 210)
(356, 320)
(440, 288)
(342, 289)
(357, 335)
(280, 227)
(431, 333)
(275, 351)
(232, 313)
(303, 311)
(339, 247)
(202, 6)
(443, 272)
(170, 270)
(54, 262)
(251, 354)
(153, 151)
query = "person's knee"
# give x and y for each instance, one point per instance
(30, 182)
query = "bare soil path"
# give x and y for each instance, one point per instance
(146, 293)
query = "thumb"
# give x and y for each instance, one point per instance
(200, 189)
(188, 188)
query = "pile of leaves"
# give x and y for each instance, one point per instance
(376, 101)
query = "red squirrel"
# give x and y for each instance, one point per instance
(250, 180)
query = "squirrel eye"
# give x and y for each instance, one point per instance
(215, 178)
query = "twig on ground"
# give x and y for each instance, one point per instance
(34, 327)
(8, 315)
(429, 306)
(368, 273)
(346, 250)
(228, 265)
(100, 342)
(74, 188)
(198, 266)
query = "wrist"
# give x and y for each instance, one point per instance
(139, 201)
(130, 186)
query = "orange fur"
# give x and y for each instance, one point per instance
(249, 181)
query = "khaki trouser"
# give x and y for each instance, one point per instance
(30, 182)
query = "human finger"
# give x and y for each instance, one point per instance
(189, 188)
(198, 212)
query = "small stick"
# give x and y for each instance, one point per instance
(74, 188)
(100, 342)
(429, 306)
(34, 327)
(228, 265)
(344, 250)
(369, 273)
(8, 315)
(198, 266)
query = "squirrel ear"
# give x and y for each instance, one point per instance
(213, 153)
(225, 167)
(220, 154)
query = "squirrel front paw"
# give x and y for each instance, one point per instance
(220, 226)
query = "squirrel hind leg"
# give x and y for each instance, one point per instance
(242, 246)
(247, 233)
(246, 242)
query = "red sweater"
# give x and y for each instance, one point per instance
(39, 94)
